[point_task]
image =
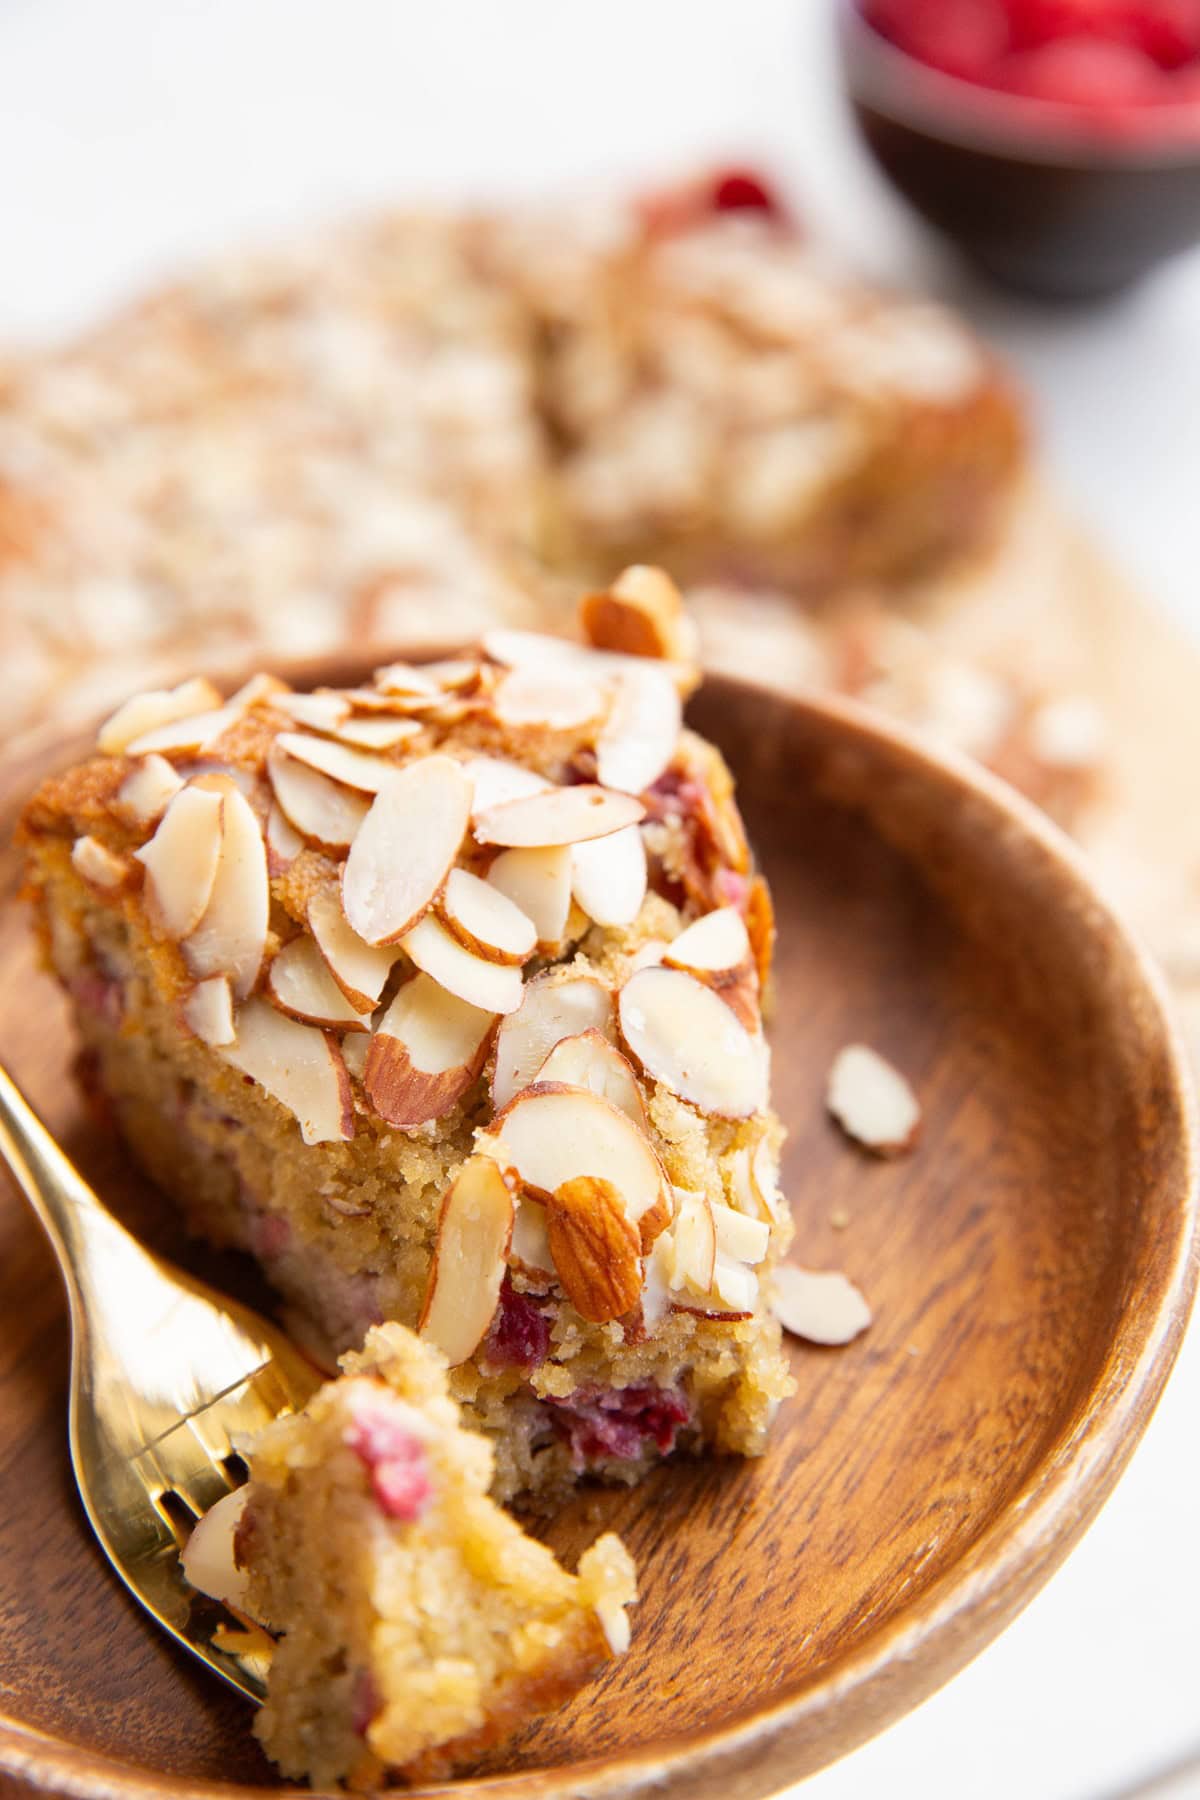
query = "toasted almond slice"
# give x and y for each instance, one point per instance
(231, 938)
(569, 815)
(406, 678)
(713, 945)
(741, 1239)
(208, 1010)
(319, 712)
(427, 1051)
(694, 1235)
(734, 1286)
(405, 849)
(469, 1259)
(551, 1009)
(872, 1102)
(359, 969)
(530, 1247)
(99, 865)
(536, 651)
(495, 781)
(355, 1048)
(352, 768)
(820, 1305)
(485, 921)
(181, 862)
(647, 955)
(608, 876)
(208, 1560)
(550, 1134)
(642, 730)
(300, 985)
(284, 842)
(380, 733)
(539, 883)
(148, 712)
(588, 1060)
(596, 1248)
(323, 811)
(641, 614)
(491, 986)
(554, 702)
(392, 706)
(147, 791)
(298, 1065)
(452, 673)
(186, 736)
(682, 1034)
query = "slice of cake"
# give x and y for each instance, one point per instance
(417, 1624)
(441, 996)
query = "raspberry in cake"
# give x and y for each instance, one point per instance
(441, 995)
(417, 1625)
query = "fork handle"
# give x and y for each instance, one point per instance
(68, 1208)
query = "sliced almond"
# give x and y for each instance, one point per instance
(872, 1102)
(551, 1009)
(493, 987)
(539, 883)
(231, 938)
(569, 815)
(359, 969)
(608, 876)
(355, 1047)
(694, 1237)
(741, 1239)
(298, 1065)
(284, 842)
(427, 1051)
(551, 702)
(208, 1560)
(319, 712)
(716, 944)
(187, 736)
(405, 848)
(596, 1248)
(451, 674)
(734, 1289)
(536, 651)
(300, 984)
(147, 791)
(148, 712)
(406, 678)
(683, 1035)
(208, 1011)
(485, 921)
(496, 781)
(641, 614)
(551, 1134)
(530, 1247)
(98, 865)
(355, 769)
(323, 811)
(590, 1061)
(469, 1259)
(181, 862)
(640, 736)
(819, 1305)
(376, 734)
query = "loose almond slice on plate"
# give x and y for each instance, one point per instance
(147, 791)
(99, 866)
(820, 1305)
(551, 1009)
(298, 1065)
(356, 769)
(569, 815)
(596, 1248)
(682, 1034)
(359, 969)
(550, 1134)
(872, 1101)
(485, 921)
(181, 862)
(427, 1051)
(608, 876)
(208, 1011)
(300, 984)
(323, 811)
(405, 848)
(590, 1061)
(469, 1260)
(539, 883)
(493, 987)
(148, 712)
(231, 938)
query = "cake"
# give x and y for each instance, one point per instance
(441, 995)
(417, 1625)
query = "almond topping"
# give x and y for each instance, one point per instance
(208, 1560)
(872, 1102)
(495, 781)
(596, 1248)
(300, 985)
(284, 842)
(485, 921)
(427, 1051)
(530, 1247)
(376, 734)
(355, 1047)
(469, 1259)
(739, 1238)
(197, 731)
(320, 712)
(405, 848)
(492, 986)
(608, 876)
(694, 1237)
(715, 944)
(181, 862)
(323, 811)
(352, 768)
(360, 969)
(147, 791)
(683, 1034)
(639, 739)
(99, 865)
(231, 938)
(147, 712)
(567, 815)
(554, 702)
(406, 678)
(208, 1011)
(551, 1009)
(642, 614)
(589, 1061)
(298, 1065)
(819, 1305)
(539, 882)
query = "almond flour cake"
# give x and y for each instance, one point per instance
(417, 1625)
(441, 996)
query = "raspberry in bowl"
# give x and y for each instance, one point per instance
(1056, 142)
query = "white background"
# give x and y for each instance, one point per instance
(138, 133)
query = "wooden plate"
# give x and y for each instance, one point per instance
(1029, 1265)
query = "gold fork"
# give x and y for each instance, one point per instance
(165, 1375)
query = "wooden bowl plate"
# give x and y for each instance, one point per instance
(1029, 1264)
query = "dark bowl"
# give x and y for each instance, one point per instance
(1026, 189)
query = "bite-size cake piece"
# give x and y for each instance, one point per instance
(441, 995)
(417, 1624)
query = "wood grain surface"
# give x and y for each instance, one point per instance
(1029, 1266)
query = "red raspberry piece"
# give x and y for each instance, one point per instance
(1169, 31)
(1104, 77)
(396, 1460)
(740, 190)
(959, 37)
